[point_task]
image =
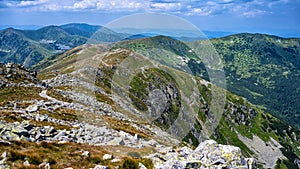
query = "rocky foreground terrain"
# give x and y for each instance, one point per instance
(42, 119)
(55, 119)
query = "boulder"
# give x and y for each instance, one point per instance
(32, 108)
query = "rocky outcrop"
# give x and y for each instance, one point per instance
(11, 74)
(208, 154)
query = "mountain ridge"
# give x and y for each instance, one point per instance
(256, 66)
(242, 124)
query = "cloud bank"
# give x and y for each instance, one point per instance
(240, 8)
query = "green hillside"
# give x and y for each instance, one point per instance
(264, 69)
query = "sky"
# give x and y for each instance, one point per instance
(279, 17)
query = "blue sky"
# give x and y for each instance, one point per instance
(264, 16)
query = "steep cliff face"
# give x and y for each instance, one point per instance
(157, 94)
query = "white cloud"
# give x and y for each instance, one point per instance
(244, 8)
(253, 13)
(277, 3)
(106, 5)
(166, 6)
(85, 4)
(199, 11)
(31, 3)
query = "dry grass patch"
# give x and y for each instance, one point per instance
(10, 116)
(64, 87)
(104, 98)
(58, 155)
(124, 126)
(46, 76)
(60, 113)
(69, 155)
(8, 94)
(56, 95)
(47, 123)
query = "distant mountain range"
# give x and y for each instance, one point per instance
(28, 47)
(31, 46)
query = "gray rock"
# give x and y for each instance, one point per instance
(44, 165)
(3, 161)
(107, 157)
(6, 143)
(4, 155)
(116, 141)
(101, 167)
(208, 154)
(32, 108)
(116, 160)
(85, 154)
(185, 151)
(49, 130)
(60, 134)
(141, 166)
(26, 163)
(11, 136)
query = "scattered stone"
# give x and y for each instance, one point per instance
(4, 154)
(32, 108)
(44, 165)
(100, 167)
(85, 154)
(26, 163)
(107, 157)
(3, 161)
(141, 166)
(116, 160)
(5, 143)
(60, 134)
